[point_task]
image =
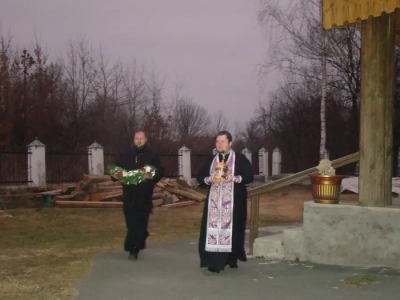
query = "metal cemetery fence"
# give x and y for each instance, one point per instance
(66, 167)
(38, 167)
(14, 167)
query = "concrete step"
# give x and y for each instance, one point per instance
(293, 244)
(269, 247)
(288, 244)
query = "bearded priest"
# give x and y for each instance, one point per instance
(222, 232)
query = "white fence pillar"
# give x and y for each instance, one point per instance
(247, 153)
(276, 161)
(96, 159)
(37, 163)
(185, 166)
(263, 163)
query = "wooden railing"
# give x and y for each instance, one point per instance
(255, 193)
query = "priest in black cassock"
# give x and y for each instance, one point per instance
(222, 233)
(137, 201)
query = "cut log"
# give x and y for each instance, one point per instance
(112, 196)
(158, 202)
(185, 194)
(82, 196)
(117, 195)
(96, 178)
(64, 197)
(157, 195)
(87, 204)
(185, 187)
(94, 188)
(66, 190)
(179, 204)
(83, 185)
(157, 189)
(51, 193)
(109, 183)
(183, 183)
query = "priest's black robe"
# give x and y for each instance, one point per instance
(218, 260)
(137, 199)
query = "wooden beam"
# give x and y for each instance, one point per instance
(285, 181)
(87, 204)
(376, 110)
(254, 219)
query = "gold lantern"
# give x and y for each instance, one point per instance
(221, 170)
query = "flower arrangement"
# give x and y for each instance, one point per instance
(325, 168)
(131, 177)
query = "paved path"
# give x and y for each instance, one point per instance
(172, 271)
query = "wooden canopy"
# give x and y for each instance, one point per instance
(338, 13)
(380, 31)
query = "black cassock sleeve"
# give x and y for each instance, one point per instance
(156, 162)
(244, 169)
(204, 171)
(119, 160)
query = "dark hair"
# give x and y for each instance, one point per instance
(140, 130)
(226, 133)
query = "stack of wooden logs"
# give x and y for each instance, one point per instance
(95, 191)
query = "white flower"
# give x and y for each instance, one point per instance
(325, 167)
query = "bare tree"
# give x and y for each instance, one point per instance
(134, 94)
(107, 85)
(190, 120)
(79, 75)
(219, 122)
(155, 86)
(303, 50)
(5, 90)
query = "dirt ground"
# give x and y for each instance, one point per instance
(286, 204)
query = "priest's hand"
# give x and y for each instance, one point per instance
(216, 179)
(228, 179)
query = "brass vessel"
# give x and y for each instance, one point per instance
(325, 189)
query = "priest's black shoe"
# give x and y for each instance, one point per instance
(233, 266)
(133, 255)
(210, 271)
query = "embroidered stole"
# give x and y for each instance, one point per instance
(220, 210)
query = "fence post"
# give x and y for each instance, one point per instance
(276, 161)
(185, 168)
(263, 163)
(247, 153)
(96, 159)
(37, 163)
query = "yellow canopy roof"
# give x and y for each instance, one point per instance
(338, 13)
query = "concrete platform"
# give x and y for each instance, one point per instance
(341, 234)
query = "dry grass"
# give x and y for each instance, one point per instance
(359, 280)
(44, 252)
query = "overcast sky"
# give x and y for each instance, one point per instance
(212, 46)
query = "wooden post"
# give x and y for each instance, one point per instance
(376, 110)
(254, 214)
